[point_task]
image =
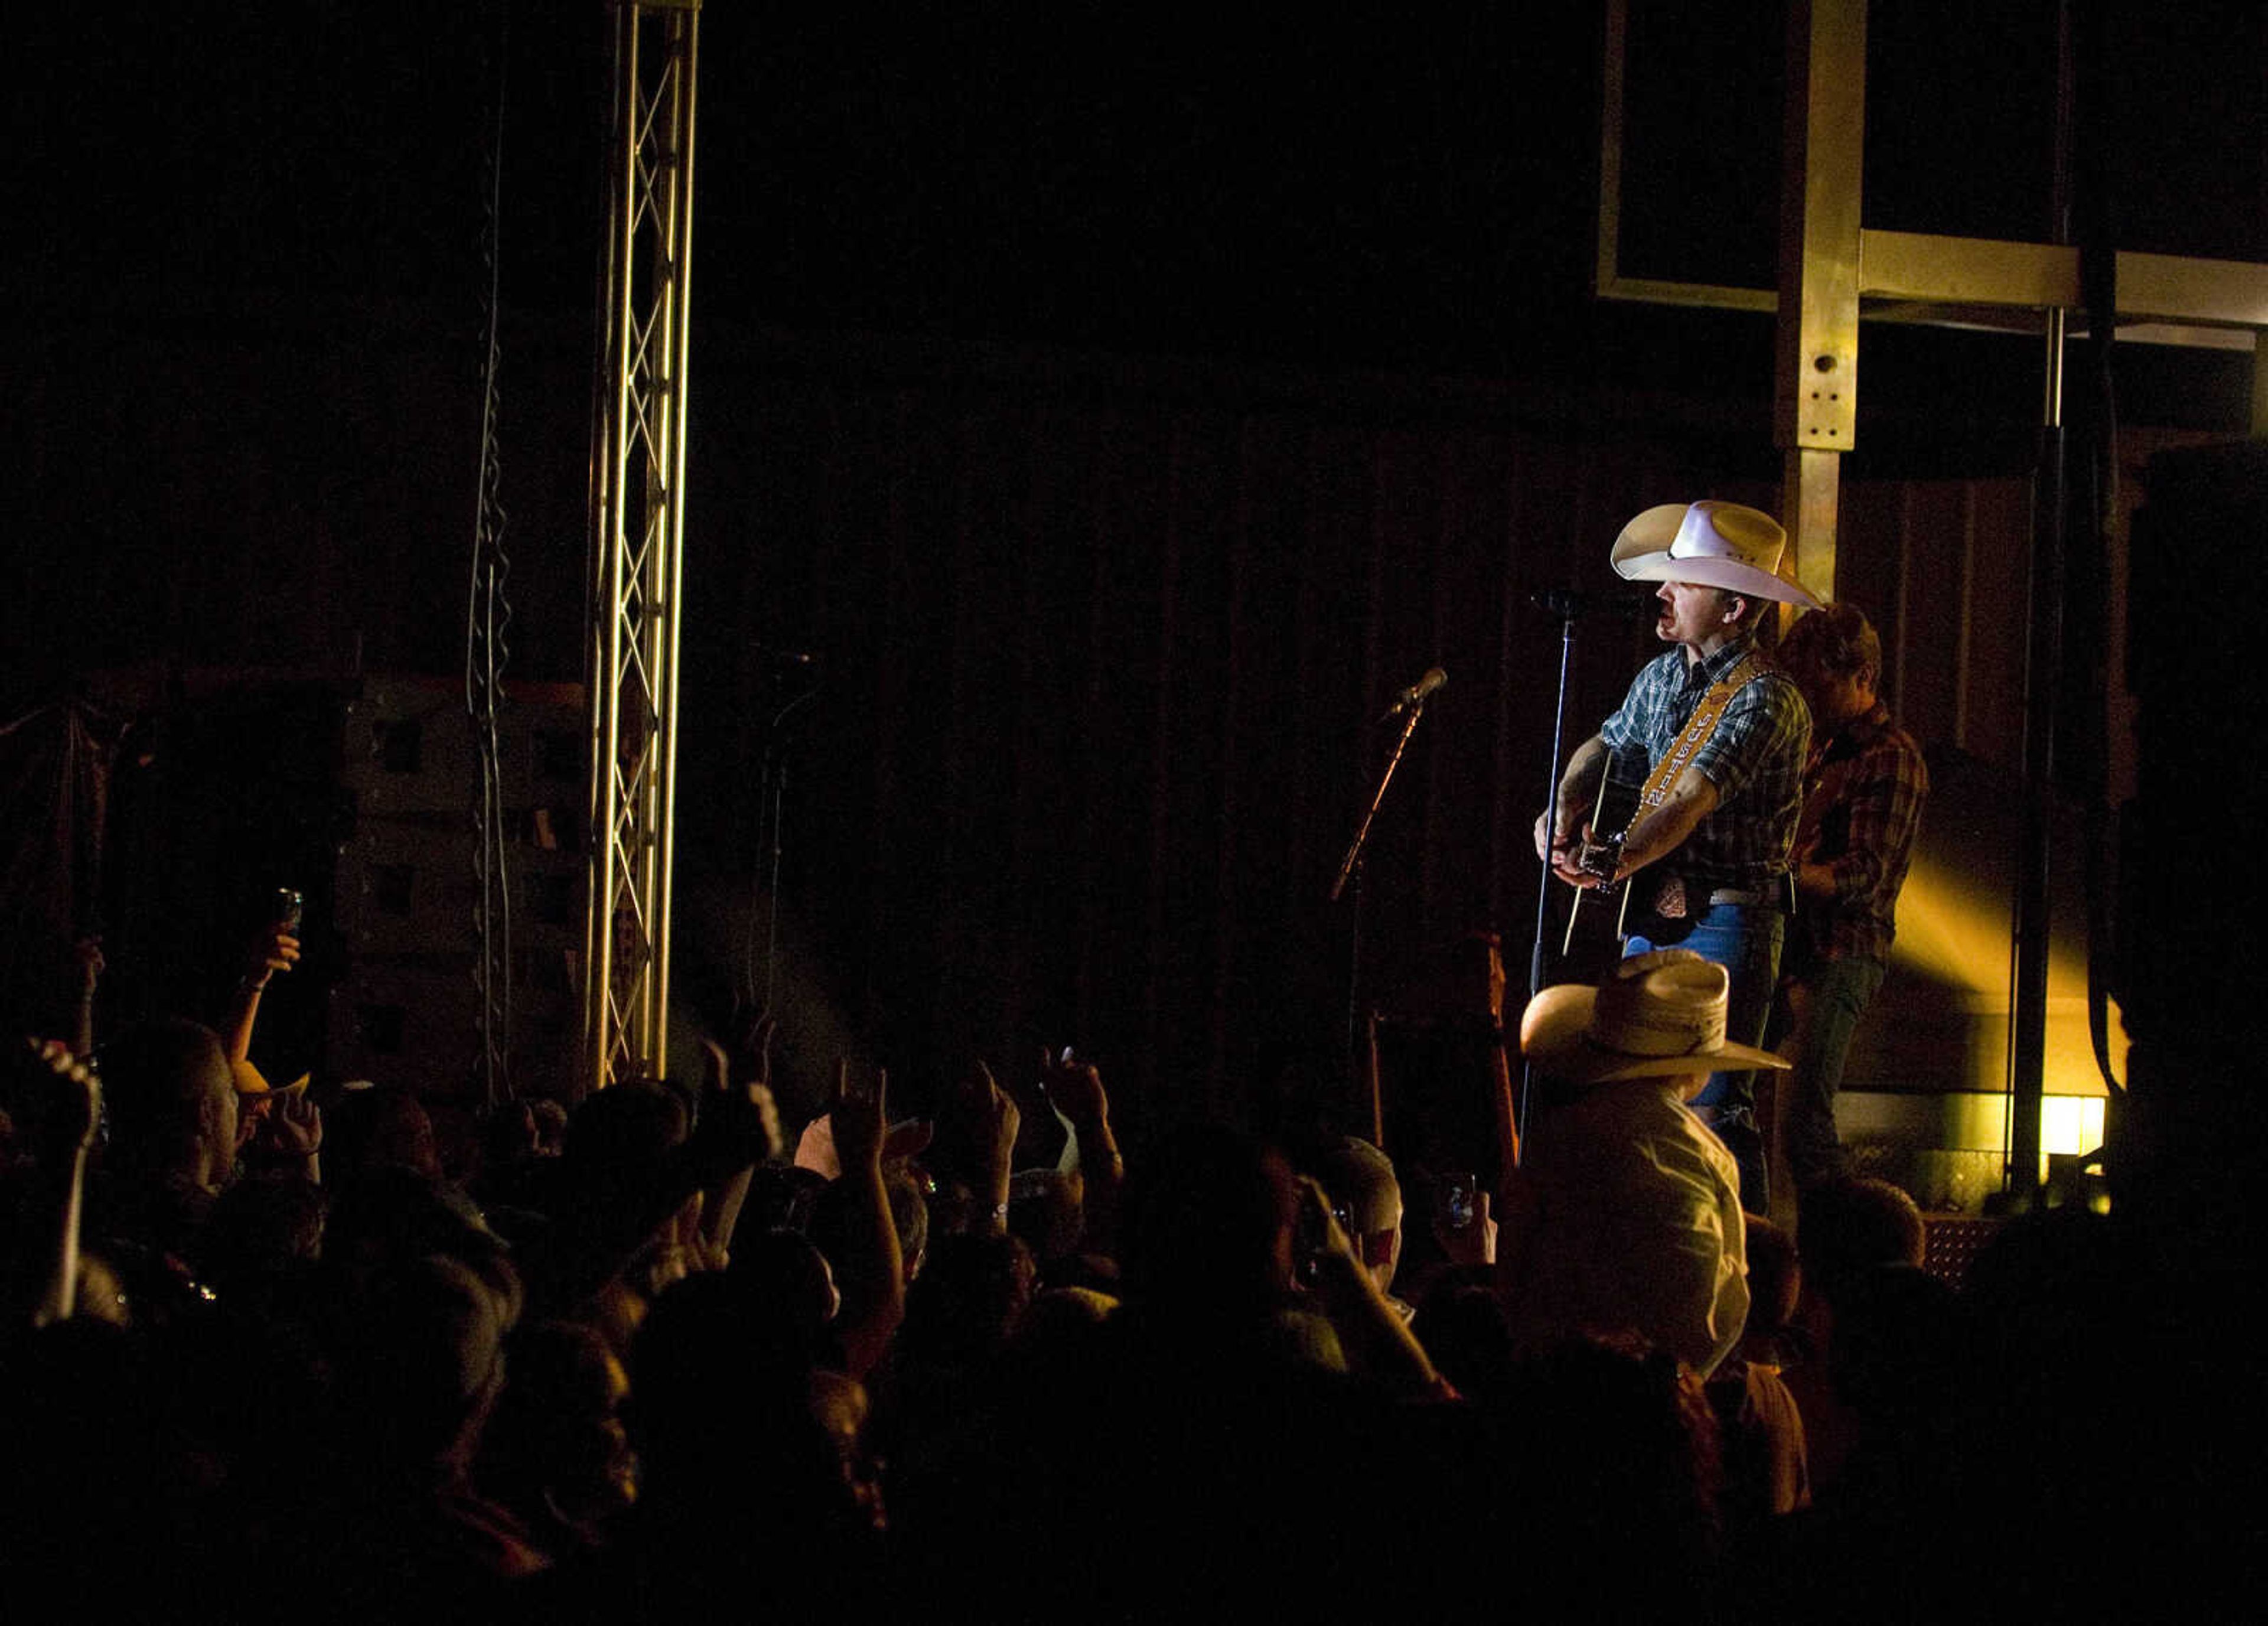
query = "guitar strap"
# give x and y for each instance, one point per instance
(1669, 899)
(1698, 727)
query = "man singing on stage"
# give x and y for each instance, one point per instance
(1724, 737)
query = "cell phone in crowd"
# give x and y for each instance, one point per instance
(290, 907)
(1454, 1198)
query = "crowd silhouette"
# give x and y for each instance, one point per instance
(292, 1351)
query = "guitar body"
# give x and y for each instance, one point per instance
(1596, 918)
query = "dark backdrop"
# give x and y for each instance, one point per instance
(1100, 635)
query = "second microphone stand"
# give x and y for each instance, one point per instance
(1350, 867)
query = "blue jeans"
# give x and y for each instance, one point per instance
(1745, 939)
(1835, 994)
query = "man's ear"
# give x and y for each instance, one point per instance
(1738, 608)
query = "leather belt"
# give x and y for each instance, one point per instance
(1749, 897)
(1673, 897)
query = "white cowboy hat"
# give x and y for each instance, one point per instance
(1716, 544)
(1656, 1015)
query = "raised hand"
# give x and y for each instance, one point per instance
(295, 1124)
(1473, 1243)
(997, 1118)
(747, 1110)
(737, 1126)
(859, 1118)
(1334, 1249)
(73, 1128)
(274, 950)
(749, 1038)
(277, 949)
(87, 965)
(987, 1120)
(869, 1268)
(86, 956)
(1075, 1086)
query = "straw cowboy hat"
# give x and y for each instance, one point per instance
(250, 1082)
(1716, 544)
(1656, 1015)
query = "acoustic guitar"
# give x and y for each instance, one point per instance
(1598, 918)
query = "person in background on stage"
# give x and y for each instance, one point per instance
(1864, 787)
(1725, 737)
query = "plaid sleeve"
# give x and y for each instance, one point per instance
(1765, 727)
(1883, 804)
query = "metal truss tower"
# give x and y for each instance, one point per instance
(637, 528)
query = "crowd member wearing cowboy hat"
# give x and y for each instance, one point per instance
(1716, 838)
(1625, 1214)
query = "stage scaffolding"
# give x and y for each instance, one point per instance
(638, 526)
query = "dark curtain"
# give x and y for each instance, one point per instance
(1099, 655)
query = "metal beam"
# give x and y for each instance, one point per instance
(2168, 288)
(1983, 271)
(1811, 505)
(1966, 270)
(1608, 280)
(1815, 399)
(1922, 276)
(1955, 282)
(637, 531)
(1909, 276)
(1700, 296)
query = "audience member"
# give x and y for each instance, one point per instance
(1853, 1224)
(1767, 1465)
(797, 1388)
(556, 1454)
(1626, 1217)
(1359, 1179)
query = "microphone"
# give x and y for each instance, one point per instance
(1416, 693)
(1568, 603)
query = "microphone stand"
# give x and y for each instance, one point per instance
(1568, 608)
(1350, 867)
(772, 805)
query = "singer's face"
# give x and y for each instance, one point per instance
(1691, 614)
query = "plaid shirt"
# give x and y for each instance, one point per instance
(1863, 791)
(1755, 759)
